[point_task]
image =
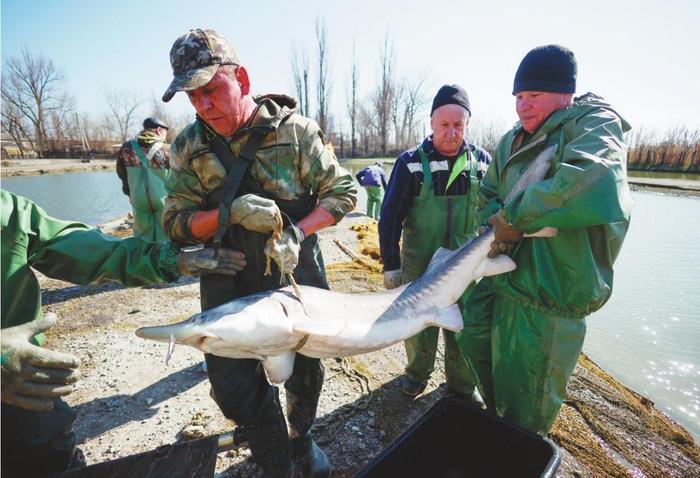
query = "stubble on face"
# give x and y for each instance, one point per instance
(223, 103)
(449, 125)
(534, 107)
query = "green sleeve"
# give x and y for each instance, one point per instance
(489, 203)
(81, 254)
(589, 186)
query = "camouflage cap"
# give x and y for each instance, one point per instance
(195, 57)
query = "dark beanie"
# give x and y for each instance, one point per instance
(451, 95)
(550, 68)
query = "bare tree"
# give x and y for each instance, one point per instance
(487, 134)
(323, 86)
(415, 100)
(383, 95)
(15, 125)
(396, 111)
(300, 74)
(122, 106)
(352, 103)
(32, 85)
(367, 128)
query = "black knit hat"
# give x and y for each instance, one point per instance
(153, 123)
(550, 68)
(451, 95)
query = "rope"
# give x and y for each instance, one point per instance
(326, 429)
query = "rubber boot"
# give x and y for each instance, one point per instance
(311, 460)
(269, 441)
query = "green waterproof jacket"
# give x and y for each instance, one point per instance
(585, 195)
(68, 251)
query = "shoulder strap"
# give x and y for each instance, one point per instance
(139, 153)
(236, 168)
(427, 173)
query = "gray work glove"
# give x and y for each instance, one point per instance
(392, 279)
(285, 250)
(201, 261)
(32, 375)
(256, 213)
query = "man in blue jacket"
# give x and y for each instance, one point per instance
(373, 179)
(431, 199)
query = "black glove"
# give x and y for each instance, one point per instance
(201, 261)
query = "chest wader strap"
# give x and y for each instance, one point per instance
(144, 160)
(427, 174)
(236, 168)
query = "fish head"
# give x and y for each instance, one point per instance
(242, 328)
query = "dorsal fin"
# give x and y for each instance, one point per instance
(438, 259)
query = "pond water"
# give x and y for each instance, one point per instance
(647, 336)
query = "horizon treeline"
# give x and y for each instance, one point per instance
(39, 114)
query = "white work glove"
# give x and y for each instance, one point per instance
(285, 251)
(32, 375)
(392, 279)
(256, 213)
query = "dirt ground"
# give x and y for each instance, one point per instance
(130, 401)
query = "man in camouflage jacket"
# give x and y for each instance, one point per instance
(143, 165)
(292, 171)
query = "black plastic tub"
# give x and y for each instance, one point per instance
(455, 439)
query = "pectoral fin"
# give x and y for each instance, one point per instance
(450, 319)
(327, 327)
(497, 265)
(279, 367)
(544, 232)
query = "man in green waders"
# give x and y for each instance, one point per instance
(524, 330)
(37, 425)
(271, 160)
(143, 165)
(373, 179)
(431, 198)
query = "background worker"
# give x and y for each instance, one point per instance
(431, 200)
(37, 435)
(143, 165)
(524, 329)
(287, 168)
(373, 179)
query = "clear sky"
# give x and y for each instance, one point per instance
(640, 55)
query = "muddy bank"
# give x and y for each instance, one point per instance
(32, 167)
(129, 401)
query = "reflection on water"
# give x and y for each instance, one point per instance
(647, 336)
(90, 197)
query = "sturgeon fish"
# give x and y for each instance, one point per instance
(272, 326)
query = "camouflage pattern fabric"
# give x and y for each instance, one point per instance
(293, 162)
(195, 57)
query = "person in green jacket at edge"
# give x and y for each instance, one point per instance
(431, 199)
(143, 165)
(524, 330)
(37, 436)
